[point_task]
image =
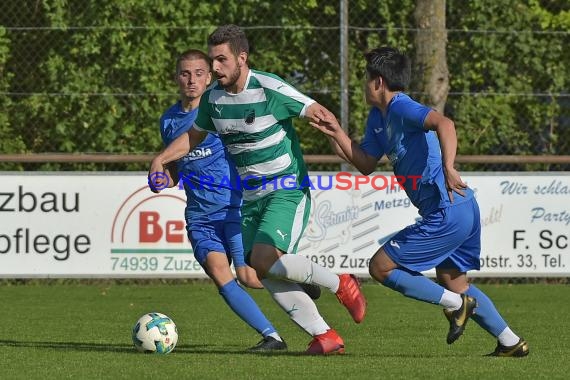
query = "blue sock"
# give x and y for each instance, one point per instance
(414, 285)
(486, 314)
(245, 307)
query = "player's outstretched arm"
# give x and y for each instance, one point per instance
(171, 171)
(316, 112)
(181, 146)
(336, 148)
(177, 149)
(445, 129)
(342, 144)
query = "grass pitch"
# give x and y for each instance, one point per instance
(83, 331)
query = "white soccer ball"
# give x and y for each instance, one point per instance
(155, 333)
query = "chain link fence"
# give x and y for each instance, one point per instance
(94, 77)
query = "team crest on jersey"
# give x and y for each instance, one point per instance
(249, 116)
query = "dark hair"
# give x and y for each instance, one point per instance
(231, 34)
(392, 65)
(193, 54)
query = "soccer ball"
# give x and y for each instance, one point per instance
(155, 333)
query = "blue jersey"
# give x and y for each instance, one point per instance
(413, 151)
(207, 175)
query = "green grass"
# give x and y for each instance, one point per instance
(83, 331)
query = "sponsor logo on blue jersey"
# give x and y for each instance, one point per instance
(197, 154)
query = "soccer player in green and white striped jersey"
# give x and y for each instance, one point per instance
(252, 112)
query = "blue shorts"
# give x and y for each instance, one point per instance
(446, 238)
(217, 236)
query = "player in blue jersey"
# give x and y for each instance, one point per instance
(419, 141)
(213, 217)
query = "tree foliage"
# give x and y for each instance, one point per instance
(528, 67)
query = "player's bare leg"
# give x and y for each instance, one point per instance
(288, 294)
(218, 269)
(485, 315)
(415, 285)
(272, 263)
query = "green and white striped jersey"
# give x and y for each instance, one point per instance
(256, 127)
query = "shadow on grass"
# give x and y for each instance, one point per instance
(76, 346)
(129, 349)
(199, 349)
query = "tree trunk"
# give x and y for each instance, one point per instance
(430, 68)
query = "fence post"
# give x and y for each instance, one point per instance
(343, 30)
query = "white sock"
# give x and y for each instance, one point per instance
(275, 336)
(297, 304)
(450, 300)
(301, 269)
(508, 337)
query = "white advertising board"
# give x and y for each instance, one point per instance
(110, 225)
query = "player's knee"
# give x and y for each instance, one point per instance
(381, 265)
(378, 275)
(376, 271)
(262, 263)
(220, 274)
(260, 268)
